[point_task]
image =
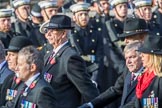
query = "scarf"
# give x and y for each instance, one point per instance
(143, 82)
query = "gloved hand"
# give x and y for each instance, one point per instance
(86, 105)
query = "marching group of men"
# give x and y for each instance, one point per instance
(48, 59)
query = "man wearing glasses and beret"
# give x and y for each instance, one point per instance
(64, 69)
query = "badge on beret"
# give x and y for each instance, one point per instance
(27, 104)
(48, 77)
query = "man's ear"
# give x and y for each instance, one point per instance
(33, 67)
(74, 18)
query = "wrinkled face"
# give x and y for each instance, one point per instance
(105, 5)
(49, 12)
(12, 60)
(23, 69)
(133, 38)
(81, 18)
(5, 24)
(23, 11)
(128, 40)
(146, 12)
(121, 9)
(133, 60)
(54, 36)
(145, 59)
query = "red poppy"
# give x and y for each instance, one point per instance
(18, 80)
(53, 61)
(32, 85)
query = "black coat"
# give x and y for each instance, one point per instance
(9, 83)
(41, 95)
(23, 28)
(114, 61)
(6, 37)
(88, 41)
(37, 38)
(157, 16)
(129, 90)
(110, 94)
(154, 90)
(69, 79)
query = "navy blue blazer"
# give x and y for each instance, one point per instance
(4, 72)
(129, 90)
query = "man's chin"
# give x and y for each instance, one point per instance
(6, 30)
(131, 70)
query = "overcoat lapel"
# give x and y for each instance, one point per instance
(126, 87)
(57, 55)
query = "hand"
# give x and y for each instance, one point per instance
(86, 105)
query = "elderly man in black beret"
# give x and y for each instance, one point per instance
(34, 92)
(12, 82)
(4, 70)
(64, 69)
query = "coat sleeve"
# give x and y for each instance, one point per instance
(78, 75)
(111, 93)
(46, 98)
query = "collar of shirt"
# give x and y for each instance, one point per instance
(59, 47)
(2, 64)
(138, 72)
(30, 80)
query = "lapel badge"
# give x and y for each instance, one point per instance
(24, 93)
(48, 77)
(152, 94)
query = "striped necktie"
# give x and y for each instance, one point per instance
(132, 78)
(51, 57)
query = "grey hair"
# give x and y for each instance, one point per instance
(32, 56)
(135, 45)
(2, 51)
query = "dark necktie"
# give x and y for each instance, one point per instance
(132, 78)
(16, 82)
(20, 97)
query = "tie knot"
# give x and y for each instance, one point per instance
(51, 57)
(133, 77)
(53, 53)
(24, 86)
